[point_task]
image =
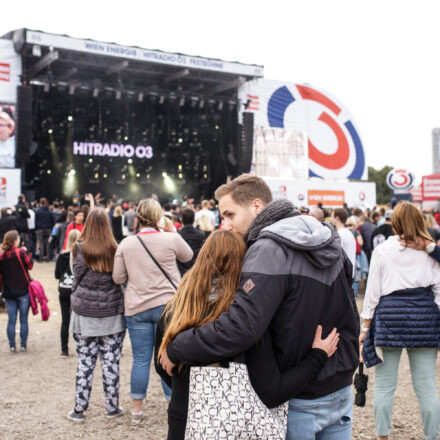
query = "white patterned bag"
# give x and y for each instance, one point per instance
(223, 405)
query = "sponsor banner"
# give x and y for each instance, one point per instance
(278, 152)
(416, 193)
(310, 192)
(10, 186)
(335, 149)
(431, 187)
(400, 181)
(137, 53)
(326, 197)
(10, 72)
(112, 150)
(7, 136)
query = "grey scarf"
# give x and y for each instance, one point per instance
(272, 213)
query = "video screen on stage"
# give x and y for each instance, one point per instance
(280, 153)
(7, 136)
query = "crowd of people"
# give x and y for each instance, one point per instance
(246, 308)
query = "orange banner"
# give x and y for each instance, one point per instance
(326, 197)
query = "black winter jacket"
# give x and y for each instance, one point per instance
(295, 276)
(96, 294)
(44, 219)
(21, 214)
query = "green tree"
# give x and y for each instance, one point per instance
(379, 177)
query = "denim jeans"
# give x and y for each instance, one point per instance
(326, 418)
(20, 304)
(142, 331)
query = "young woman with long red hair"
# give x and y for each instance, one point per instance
(97, 320)
(205, 292)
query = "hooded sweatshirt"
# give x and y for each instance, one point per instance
(295, 276)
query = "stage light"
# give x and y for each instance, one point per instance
(71, 173)
(118, 94)
(71, 90)
(50, 131)
(182, 102)
(161, 99)
(180, 176)
(125, 138)
(205, 167)
(179, 167)
(217, 127)
(180, 140)
(49, 172)
(140, 97)
(90, 160)
(168, 183)
(96, 176)
(70, 118)
(138, 175)
(123, 177)
(105, 175)
(220, 106)
(205, 176)
(148, 177)
(95, 92)
(130, 160)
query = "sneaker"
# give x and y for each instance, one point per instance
(76, 416)
(116, 413)
(23, 349)
(12, 349)
(137, 418)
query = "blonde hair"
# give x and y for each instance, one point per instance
(429, 220)
(149, 213)
(71, 239)
(205, 224)
(219, 260)
(118, 212)
(408, 223)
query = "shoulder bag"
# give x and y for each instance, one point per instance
(155, 261)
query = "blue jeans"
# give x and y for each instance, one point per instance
(22, 304)
(325, 418)
(142, 331)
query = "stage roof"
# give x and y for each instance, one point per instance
(50, 57)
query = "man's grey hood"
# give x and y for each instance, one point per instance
(320, 242)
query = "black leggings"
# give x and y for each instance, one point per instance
(65, 321)
(176, 429)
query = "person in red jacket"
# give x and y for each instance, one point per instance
(78, 224)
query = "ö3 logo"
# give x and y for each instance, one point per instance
(348, 140)
(400, 179)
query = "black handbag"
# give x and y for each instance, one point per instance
(155, 261)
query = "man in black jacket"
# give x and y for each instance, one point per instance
(21, 218)
(44, 222)
(192, 236)
(295, 276)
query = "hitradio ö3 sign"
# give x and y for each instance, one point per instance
(335, 149)
(400, 180)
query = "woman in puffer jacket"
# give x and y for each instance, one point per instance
(401, 310)
(97, 320)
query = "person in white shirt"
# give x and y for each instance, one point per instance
(207, 212)
(7, 141)
(348, 242)
(401, 310)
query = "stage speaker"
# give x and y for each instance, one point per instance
(246, 142)
(23, 125)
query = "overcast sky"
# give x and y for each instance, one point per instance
(380, 58)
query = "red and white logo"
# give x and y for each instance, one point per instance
(362, 196)
(3, 184)
(5, 72)
(400, 180)
(282, 190)
(252, 102)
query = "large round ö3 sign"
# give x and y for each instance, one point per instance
(348, 159)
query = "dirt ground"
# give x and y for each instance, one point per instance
(37, 390)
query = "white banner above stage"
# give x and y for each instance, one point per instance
(10, 186)
(137, 53)
(10, 72)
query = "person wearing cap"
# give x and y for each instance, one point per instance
(381, 233)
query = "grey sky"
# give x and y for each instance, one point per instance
(380, 58)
